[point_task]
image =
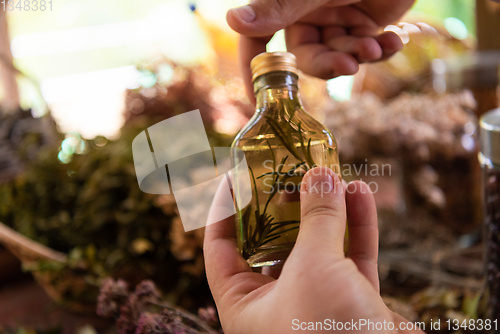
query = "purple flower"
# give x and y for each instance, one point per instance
(111, 296)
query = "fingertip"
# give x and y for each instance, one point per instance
(323, 216)
(232, 19)
(320, 179)
(360, 201)
(369, 49)
(320, 60)
(330, 64)
(390, 43)
(345, 64)
(322, 188)
(241, 19)
(256, 20)
(358, 187)
(244, 14)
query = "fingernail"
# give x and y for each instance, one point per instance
(246, 13)
(319, 182)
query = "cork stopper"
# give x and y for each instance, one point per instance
(273, 61)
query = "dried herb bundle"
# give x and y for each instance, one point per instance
(143, 311)
(21, 137)
(92, 207)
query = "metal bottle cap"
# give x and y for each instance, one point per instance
(490, 136)
(273, 61)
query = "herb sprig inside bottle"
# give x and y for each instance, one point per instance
(281, 143)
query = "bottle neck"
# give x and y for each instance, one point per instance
(277, 88)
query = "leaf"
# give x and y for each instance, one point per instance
(255, 188)
(289, 174)
(309, 157)
(268, 241)
(275, 188)
(270, 173)
(306, 151)
(263, 235)
(283, 224)
(285, 138)
(272, 154)
(282, 232)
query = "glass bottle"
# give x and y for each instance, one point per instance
(281, 142)
(489, 157)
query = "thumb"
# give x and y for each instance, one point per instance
(323, 212)
(265, 17)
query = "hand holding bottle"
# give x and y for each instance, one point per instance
(317, 281)
(329, 37)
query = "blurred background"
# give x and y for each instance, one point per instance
(77, 49)
(79, 80)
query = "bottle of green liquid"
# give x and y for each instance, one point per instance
(281, 142)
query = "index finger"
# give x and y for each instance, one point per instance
(249, 48)
(363, 230)
(229, 275)
(222, 258)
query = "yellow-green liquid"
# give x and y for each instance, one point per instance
(285, 204)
